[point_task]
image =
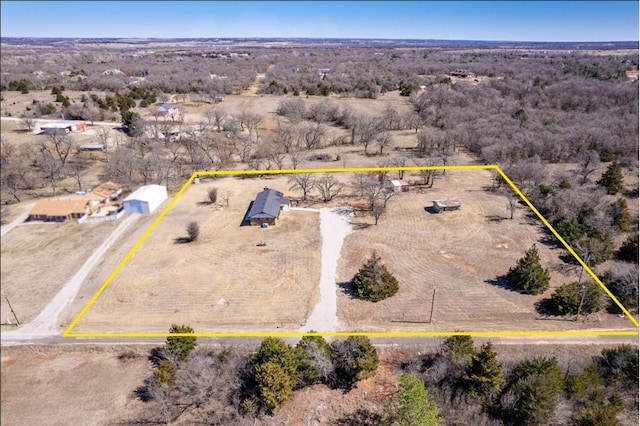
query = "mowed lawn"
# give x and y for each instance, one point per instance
(222, 281)
(459, 254)
(39, 258)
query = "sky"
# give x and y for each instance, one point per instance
(438, 20)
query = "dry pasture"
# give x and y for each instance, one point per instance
(460, 254)
(39, 258)
(221, 281)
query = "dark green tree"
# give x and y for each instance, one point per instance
(459, 349)
(276, 351)
(578, 385)
(373, 281)
(530, 397)
(413, 405)
(612, 179)
(619, 212)
(484, 374)
(354, 359)
(620, 363)
(528, 275)
(595, 415)
(275, 385)
(315, 363)
(181, 346)
(629, 249)
(569, 298)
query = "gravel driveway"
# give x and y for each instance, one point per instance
(334, 228)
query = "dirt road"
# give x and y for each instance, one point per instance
(334, 228)
(46, 323)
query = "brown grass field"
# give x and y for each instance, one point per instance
(39, 258)
(221, 280)
(460, 254)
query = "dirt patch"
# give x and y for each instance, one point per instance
(68, 388)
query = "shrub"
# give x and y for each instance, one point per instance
(212, 195)
(528, 275)
(181, 346)
(570, 298)
(373, 281)
(193, 230)
(355, 359)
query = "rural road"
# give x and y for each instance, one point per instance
(47, 120)
(333, 228)
(45, 325)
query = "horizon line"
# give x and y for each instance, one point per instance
(314, 38)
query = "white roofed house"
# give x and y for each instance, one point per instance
(167, 110)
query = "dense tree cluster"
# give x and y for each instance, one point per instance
(472, 386)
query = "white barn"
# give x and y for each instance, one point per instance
(145, 199)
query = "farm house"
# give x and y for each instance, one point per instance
(266, 207)
(145, 199)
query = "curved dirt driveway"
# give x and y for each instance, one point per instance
(334, 228)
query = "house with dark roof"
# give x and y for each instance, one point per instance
(266, 207)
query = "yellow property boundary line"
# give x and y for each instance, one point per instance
(68, 331)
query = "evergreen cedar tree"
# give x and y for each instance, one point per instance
(612, 179)
(180, 346)
(413, 405)
(373, 281)
(570, 298)
(528, 275)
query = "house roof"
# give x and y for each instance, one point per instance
(165, 108)
(59, 207)
(267, 204)
(147, 193)
(103, 191)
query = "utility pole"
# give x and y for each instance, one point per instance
(433, 299)
(582, 294)
(11, 307)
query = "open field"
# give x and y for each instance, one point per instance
(39, 258)
(461, 255)
(76, 387)
(221, 280)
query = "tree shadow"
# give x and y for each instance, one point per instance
(501, 281)
(358, 226)
(157, 355)
(550, 241)
(143, 393)
(205, 203)
(495, 218)
(182, 240)
(347, 288)
(361, 417)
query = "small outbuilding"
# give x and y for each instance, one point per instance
(266, 208)
(145, 199)
(399, 186)
(440, 206)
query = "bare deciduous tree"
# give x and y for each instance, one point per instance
(588, 162)
(27, 122)
(329, 187)
(303, 182)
